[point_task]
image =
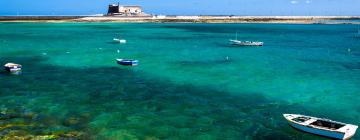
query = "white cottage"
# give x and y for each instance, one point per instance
(116, 9)
(130, 9)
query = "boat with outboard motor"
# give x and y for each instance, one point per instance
(320, 126)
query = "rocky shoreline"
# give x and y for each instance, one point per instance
(190, 19)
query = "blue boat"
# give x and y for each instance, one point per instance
(127, 62)
(322, 127)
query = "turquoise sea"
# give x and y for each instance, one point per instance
(190, 83)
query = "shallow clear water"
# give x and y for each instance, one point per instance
(190, 84)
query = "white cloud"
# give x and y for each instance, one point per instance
(294, 2)
(308, 1)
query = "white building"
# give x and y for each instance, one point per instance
(116, 9)
(130, 9)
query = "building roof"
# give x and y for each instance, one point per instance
(129, 6)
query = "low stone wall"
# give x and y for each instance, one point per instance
(4, 18)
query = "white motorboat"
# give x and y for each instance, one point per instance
(246, 43)
(12, 67)
(119, 40)
(320, 126)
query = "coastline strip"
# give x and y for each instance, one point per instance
(190, 19)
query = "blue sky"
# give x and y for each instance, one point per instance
(185, 7)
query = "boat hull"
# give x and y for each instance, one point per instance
(128, 62)
(246, 44)
(12, 69)
(240, 43)
(329, 134)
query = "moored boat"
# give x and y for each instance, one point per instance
(246, 43)
(12, 67)
(127, 62)
(119, 40)
(320, 126)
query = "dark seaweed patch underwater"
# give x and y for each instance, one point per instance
(110, 102)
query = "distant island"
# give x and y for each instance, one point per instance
(190, 19)
(134, 13)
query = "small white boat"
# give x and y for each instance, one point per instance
(12, 67)
(320, 126)
(246, 43)
(119, 40)
(127, 62)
